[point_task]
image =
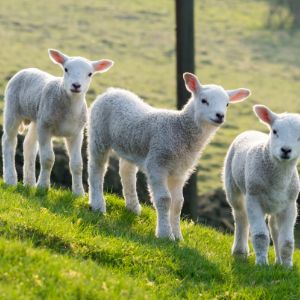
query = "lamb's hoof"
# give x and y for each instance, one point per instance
(288, 264)
(137, 209)
(278, 261)
(29, 183)
(240, 254)
(79, 192)
(98, 208)
(166, 235)
(11, 181)
(261, 261)
(43, 186)
(178, 236)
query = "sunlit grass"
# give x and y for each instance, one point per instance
(53, 246)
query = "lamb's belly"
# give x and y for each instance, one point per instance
(133, 158)
(275, 202)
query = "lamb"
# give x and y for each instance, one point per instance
(261, 179)
(164, 144)
(53, 106)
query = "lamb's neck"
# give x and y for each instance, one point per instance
(198, 129)
(280, 171)
(74, 101)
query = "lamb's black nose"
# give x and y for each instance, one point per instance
(76, 85)
(286, 150)
(220, 117)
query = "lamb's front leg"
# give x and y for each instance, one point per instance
(46, 157)
(258, 229)
(74, 145)
(286, 223)
(176, 189)
(273, 225)
(162, 202)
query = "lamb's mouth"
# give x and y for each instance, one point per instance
(217, 121)
(75, 91)
(284, 157)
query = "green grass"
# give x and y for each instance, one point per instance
(53, 247)
(233, 48)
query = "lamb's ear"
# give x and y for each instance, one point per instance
(192, 83)
(57, 57)
(264, 114)
(102, 65)
(238, 95)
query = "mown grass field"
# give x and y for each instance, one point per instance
(53, 247)
(234, 48)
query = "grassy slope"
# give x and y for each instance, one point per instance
(233, 48)
(53, 247)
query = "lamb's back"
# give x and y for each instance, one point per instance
(25, 91)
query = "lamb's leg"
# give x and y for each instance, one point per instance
(74, 145)
(128, 178)
(241, 226)
(46, 157)
(9, 143)
(258, 229)
(30, 148)
(176, 190)
(162, 201)
(273, 226)
(286, 223)
(97, 167)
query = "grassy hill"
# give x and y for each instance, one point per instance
(53, 247)
(233, 48)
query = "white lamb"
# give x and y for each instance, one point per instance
(164, 144)
(54, 106)
(261, 179)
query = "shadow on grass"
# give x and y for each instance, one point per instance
(187, 263)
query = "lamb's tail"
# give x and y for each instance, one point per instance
(23, 126)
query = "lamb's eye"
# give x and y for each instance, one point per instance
(204, 101)
(227, 104)
(90, 74)
(274, 131)
(66, 70)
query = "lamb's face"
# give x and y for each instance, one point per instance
(77, 75)
(78, 71)
(211, 104)
(211, 101)
(285, 137)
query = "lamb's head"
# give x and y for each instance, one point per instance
(78, 71)
(284, 138)
(211, 101)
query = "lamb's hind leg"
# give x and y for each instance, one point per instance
(241, 226)
(176, 190)
(128, 178)
(286, 242)
(161, 197)
(30, 148)
(273, 227)
(9, 143)
(97, 166)
(241, 229)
